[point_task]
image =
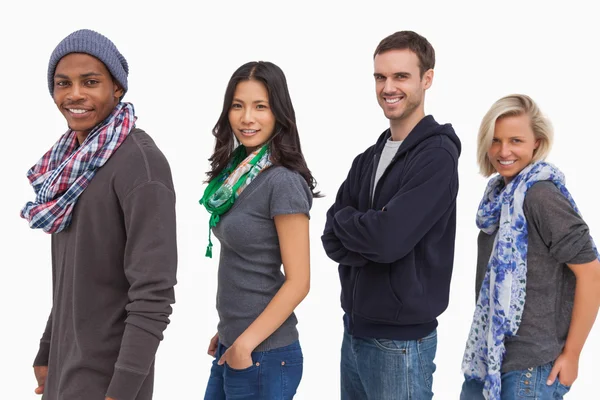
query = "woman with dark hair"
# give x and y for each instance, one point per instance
(259, 196)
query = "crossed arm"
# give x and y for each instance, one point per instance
(356, 238)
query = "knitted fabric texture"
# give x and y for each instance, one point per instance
(96, 45)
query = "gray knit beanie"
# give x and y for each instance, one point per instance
(92, 43)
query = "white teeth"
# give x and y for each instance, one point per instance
(249, 130)
(506, 162)
(392, 101)
(77, 111)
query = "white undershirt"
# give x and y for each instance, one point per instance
(389, 151)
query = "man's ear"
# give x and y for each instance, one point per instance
(427, 79)
(118, 90)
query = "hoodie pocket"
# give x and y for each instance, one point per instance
(348, 277)
(374, 298)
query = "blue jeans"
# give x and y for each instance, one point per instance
(274, 375)
(383, 369)
(527, 384)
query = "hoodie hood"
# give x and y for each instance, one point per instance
(426, 128)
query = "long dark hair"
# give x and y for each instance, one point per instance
(284, 144)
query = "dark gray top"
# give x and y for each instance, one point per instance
(113, 272)
(250, 263)
(556, 236)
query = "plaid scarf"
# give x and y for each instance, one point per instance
(501, 299)
(64, 172)
(222, 191)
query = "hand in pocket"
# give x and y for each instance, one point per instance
(236, 358)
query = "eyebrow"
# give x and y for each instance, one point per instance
(86, 75)
(395, 74)
(254, 102)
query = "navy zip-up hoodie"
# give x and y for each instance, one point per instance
(395, 249)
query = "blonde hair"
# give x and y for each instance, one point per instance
(512, 106)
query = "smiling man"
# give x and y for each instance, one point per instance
(391, 229)
(104, 191)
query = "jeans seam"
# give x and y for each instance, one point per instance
(283, 381)
(421, 354)
(407, 368)
(422, 368)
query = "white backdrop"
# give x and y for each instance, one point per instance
(181, 56)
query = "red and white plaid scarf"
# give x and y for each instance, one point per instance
(64, 172)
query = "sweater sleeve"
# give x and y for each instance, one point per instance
(150, 268)
(41, 359)
(331, 243)
(387, 235)
(562, 229)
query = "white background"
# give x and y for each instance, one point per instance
(181, 57)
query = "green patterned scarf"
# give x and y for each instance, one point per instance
(221, 192)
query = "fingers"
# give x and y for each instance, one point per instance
(40, 373)
(223, 358)
(553, 374)
(212, 347)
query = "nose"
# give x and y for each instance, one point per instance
(505, 150)
(389, 86)
(247, 116)
(75, 94)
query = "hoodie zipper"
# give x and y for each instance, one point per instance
(372, 184)
(371, 200)
(376, 158)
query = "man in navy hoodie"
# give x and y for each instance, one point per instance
(392, 231)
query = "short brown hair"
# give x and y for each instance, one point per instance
(414, 42)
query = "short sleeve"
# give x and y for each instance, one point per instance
(289, 192)
(561, 228)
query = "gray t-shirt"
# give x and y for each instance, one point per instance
(389, 151)
(556, 236)
(250, 263)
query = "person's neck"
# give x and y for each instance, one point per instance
(400, 129)
(81, 136)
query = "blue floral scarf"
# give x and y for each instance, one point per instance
(502, 296)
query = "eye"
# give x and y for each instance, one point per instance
(379, 77)
(91, 82)
(236, 106)
(61, 83)
(517, 141)
(494, 140)
(262, 107)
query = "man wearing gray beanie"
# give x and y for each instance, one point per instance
(105, 194)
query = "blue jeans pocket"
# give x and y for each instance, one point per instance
(242, 383)
(391, 345)
(561, 390)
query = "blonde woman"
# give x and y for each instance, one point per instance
(538, 274)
